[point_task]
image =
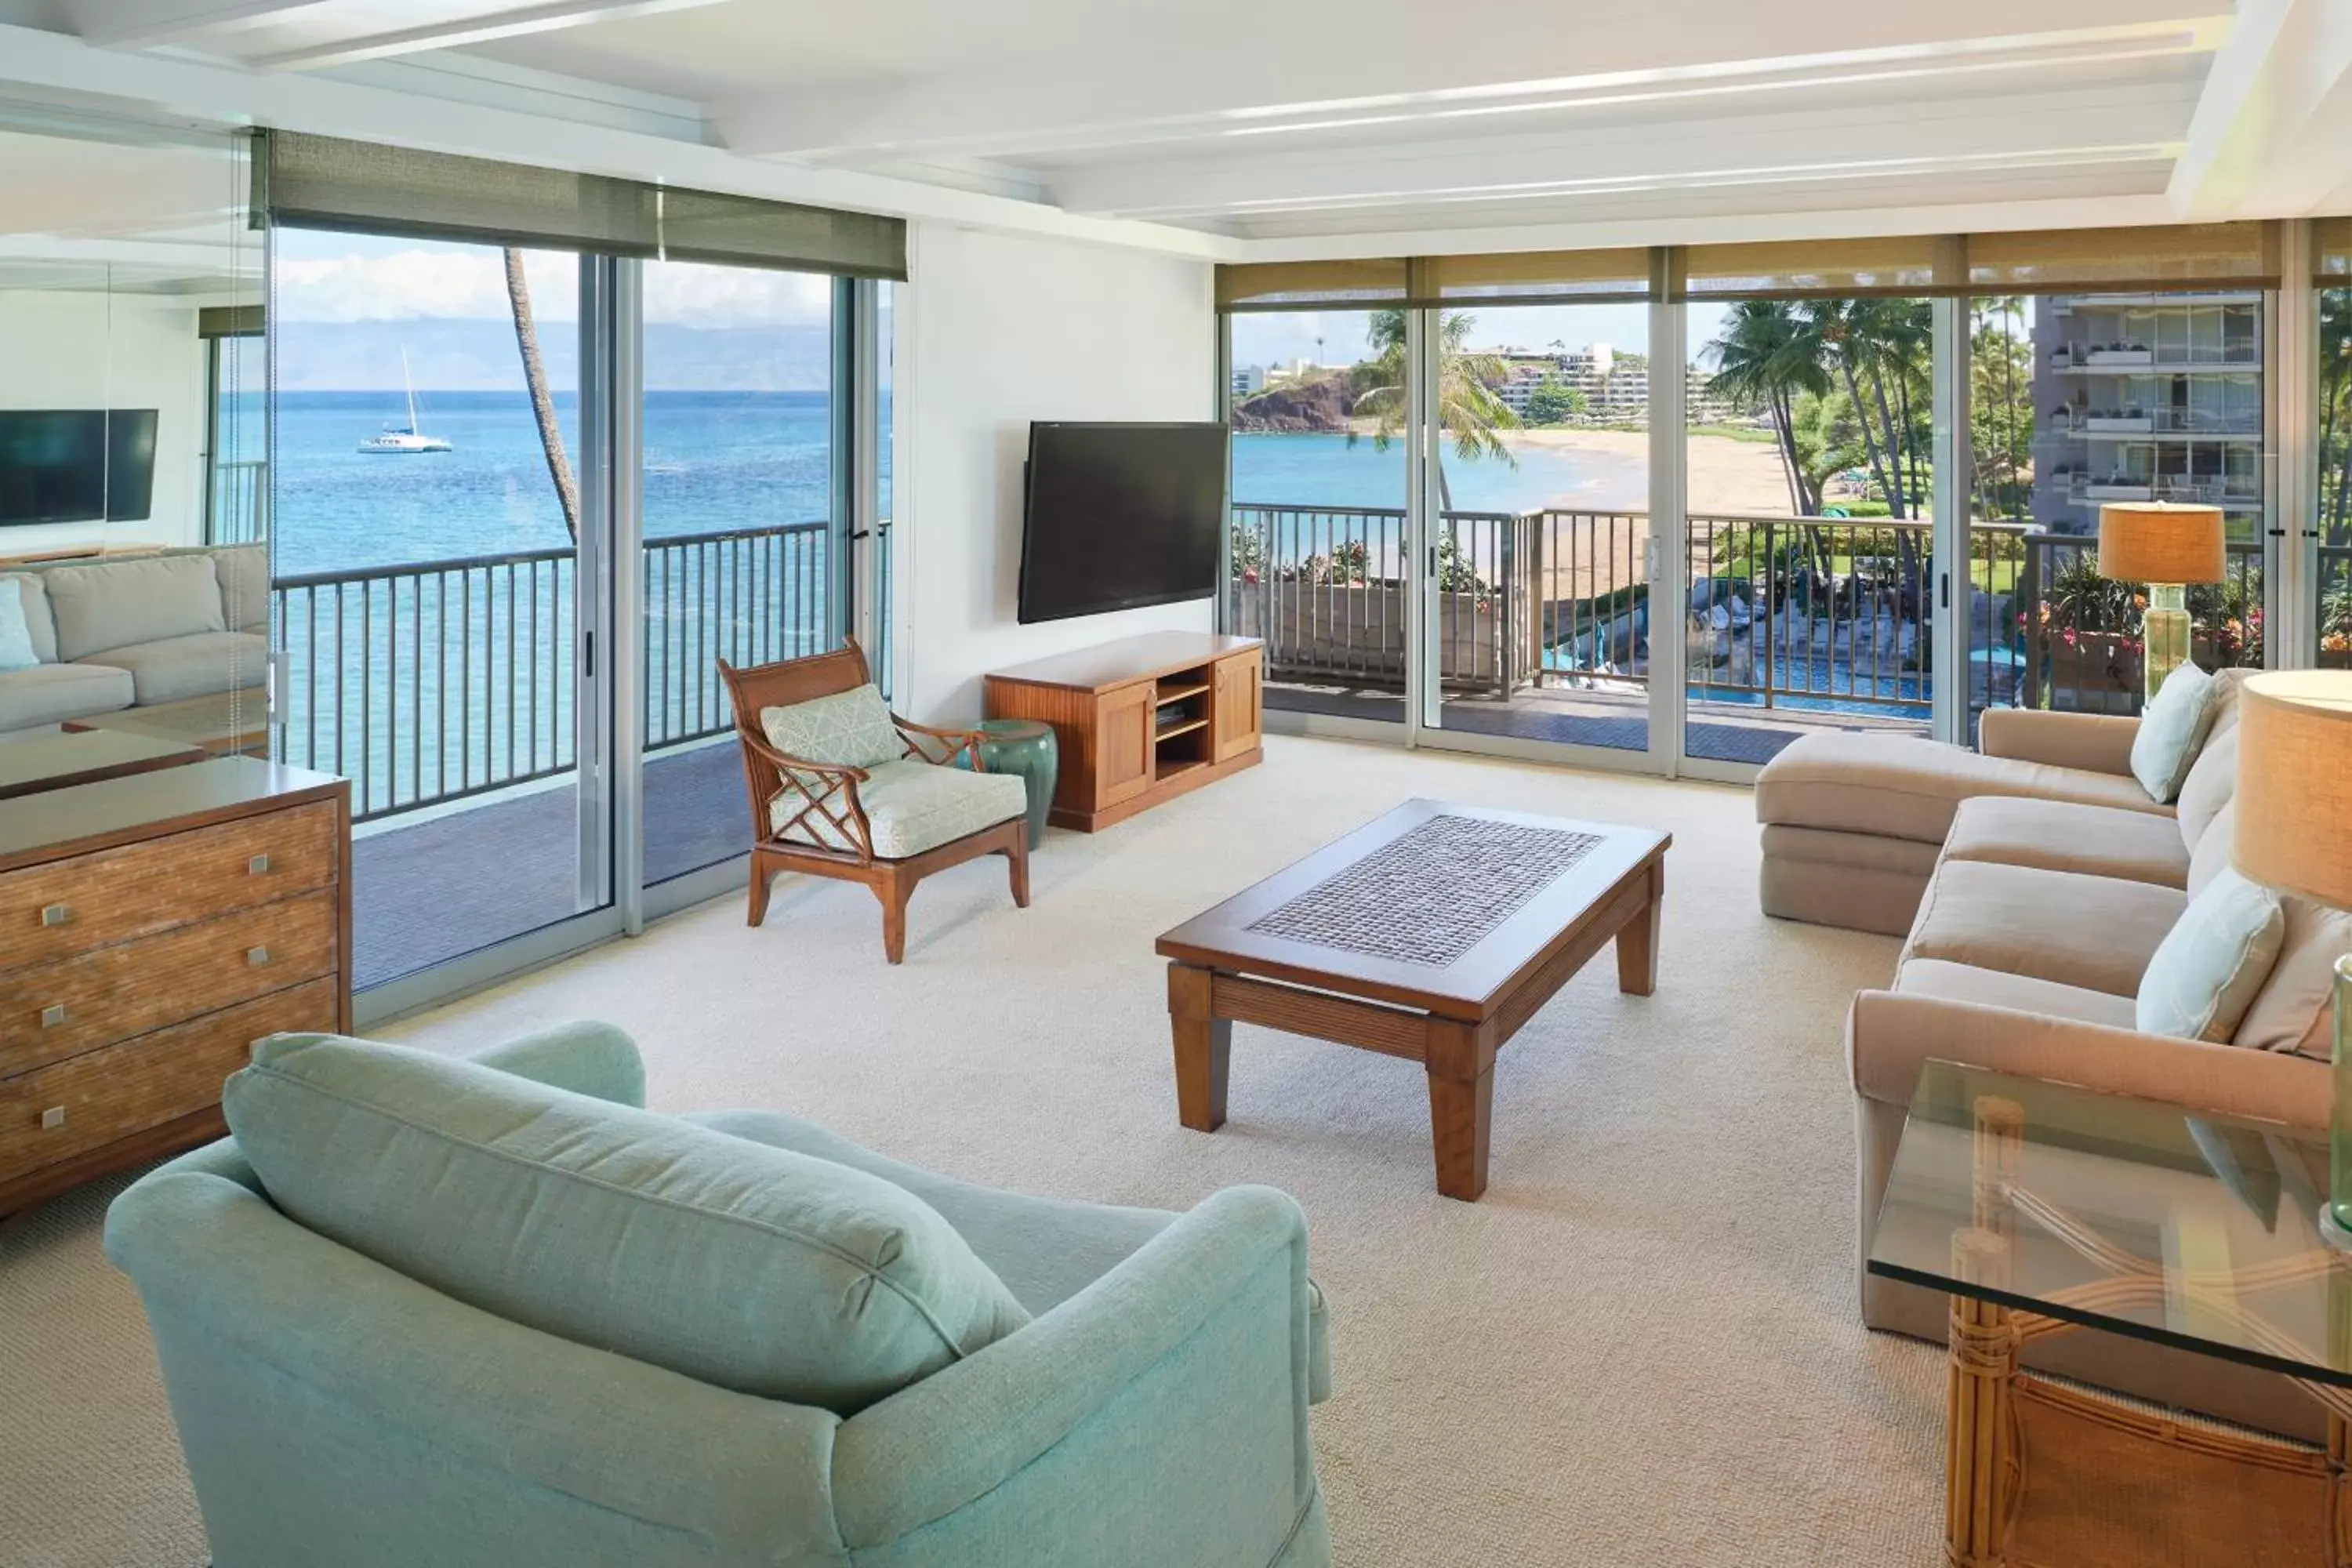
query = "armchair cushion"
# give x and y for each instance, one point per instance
(737, 1264)
(910, 805)
(847, 729)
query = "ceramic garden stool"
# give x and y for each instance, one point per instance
(1025, 747)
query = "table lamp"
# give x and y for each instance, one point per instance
(2166, 547)
(2294, 832)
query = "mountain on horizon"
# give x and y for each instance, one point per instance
(479, 354)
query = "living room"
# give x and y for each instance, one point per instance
(668, 658)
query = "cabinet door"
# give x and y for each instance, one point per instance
(1233, 707)
(1123, 744)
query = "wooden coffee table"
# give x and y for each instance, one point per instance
(1432, 933)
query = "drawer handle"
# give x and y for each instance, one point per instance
(258, 866)
(56, 915)
(53, 1118)
(256, 956)
(53, 1014)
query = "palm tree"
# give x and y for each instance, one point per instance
(1767, 353)
(1467, 406)
(2335, 393)
(543, 405)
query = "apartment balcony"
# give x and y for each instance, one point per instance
(2086, 489)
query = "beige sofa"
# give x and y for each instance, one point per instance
(2033, 920)
(139, 632)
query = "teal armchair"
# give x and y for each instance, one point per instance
(332, 1410)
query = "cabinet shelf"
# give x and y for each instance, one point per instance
(1172, 694)
(1186, 727)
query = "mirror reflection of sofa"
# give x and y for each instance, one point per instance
(105, 636)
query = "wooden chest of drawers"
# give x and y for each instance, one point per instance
(151, 928)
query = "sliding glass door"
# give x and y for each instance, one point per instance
(436, 574)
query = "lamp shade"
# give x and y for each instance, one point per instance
(2148, 541)
(2294, 783)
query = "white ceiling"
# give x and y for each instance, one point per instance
(1321, 128)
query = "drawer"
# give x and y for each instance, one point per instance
(53, 911)
(53, 1011)
(100, 1096)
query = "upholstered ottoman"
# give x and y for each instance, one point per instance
(1853, 822)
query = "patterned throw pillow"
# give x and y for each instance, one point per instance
(848, 730)
(17, 650)
(2171, 732)
(2213, 963)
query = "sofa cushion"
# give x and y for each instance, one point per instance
(1948, 982)
(38, 620)
(1901, 786)
(2211, 783)
(847, 729)
(2206, 972)
(2097, 932)
(121, 604)
(2291, 1011)
(2212, 856)
(16, 649)
(203, 664)
(2171, 731)
(740, 1265)
(2064, 835)
(52, 693)
(244, 574)
(911, 806)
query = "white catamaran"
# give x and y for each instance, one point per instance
(405, 437)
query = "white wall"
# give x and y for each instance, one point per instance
(994, 330)
(70, 350)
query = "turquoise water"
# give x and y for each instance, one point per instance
(1325, 471)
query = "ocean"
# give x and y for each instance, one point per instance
(740, 460)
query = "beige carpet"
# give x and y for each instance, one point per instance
(1641, 1348)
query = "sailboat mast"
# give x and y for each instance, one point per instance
(410, 386)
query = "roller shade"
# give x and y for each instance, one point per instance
(1352, 285)
(2331, 252)
(324, 182)
(1535, 278)
(1905, 264)
(2082, 261)
(229, 322)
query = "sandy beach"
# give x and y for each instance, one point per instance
(1726, 476)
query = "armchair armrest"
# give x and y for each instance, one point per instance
(594, 1059)
(792, 774)
(1890, 1035)
(2095, 743)
(1198, 1339)
(965, 743)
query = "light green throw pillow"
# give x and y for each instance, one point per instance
(848, 729)
(739, 1265)
(2213, 963)
(2171, 731)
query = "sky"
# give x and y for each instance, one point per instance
(356, 278)
(1278, 339)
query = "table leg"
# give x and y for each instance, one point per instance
(1204, 1049)
(1637, 942)
(1980, 1432)
(1460, 1063)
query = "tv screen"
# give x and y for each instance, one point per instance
(1120, 515)
(76, 465)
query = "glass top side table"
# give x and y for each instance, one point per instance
(2044, 1208)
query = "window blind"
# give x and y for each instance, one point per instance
(1351, 285)
(2331, 252)
(229, 322)
(2081, 260)
(1536, 278)
(1904, 265)
(325, 182)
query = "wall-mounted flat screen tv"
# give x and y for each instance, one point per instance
(76, 465)
(1119, 516)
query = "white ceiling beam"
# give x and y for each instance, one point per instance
(145, 24)
(1213, 89)
(54, 66)
(2273, 133)
(513, 22)
(2090, 127)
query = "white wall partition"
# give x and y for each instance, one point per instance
(995, 331)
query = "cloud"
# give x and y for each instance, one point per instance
(442, 282)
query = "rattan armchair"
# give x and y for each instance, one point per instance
(809, 817)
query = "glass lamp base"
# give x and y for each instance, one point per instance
(2165, 631)
(2332, 1230)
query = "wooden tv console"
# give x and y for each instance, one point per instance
(1139, 721)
